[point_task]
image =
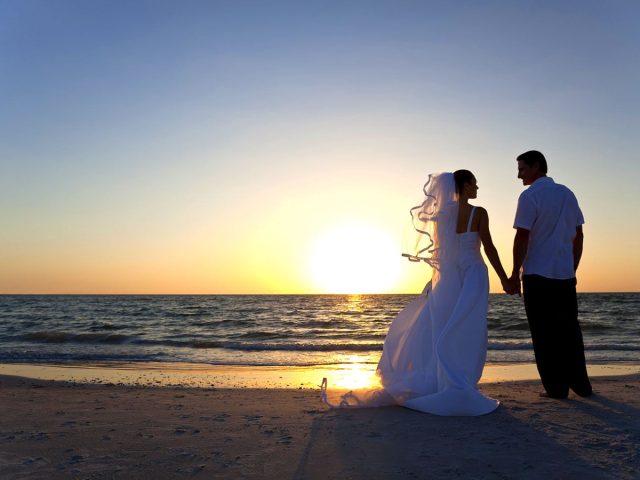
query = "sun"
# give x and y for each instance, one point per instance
(355, 258)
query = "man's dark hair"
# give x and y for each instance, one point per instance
(532, 157)
(461, 177)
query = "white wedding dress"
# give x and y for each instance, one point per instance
(435, 349)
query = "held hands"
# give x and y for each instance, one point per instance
(511, 285)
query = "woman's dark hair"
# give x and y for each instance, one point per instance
(461, 177)
(532, 157)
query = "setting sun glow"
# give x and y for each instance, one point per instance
(355, 376)
(355, 258)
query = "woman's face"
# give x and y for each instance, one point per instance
(472, 188)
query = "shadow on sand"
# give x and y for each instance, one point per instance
(560, 439)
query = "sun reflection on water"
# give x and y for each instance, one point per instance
(354, 303)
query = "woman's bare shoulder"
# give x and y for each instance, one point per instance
(482, 211)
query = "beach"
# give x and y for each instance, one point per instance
(101, 387)
(100, 429)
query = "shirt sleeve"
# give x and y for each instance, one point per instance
(525, 214)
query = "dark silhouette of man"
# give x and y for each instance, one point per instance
(548, 248)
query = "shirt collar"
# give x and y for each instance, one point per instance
(542, 181)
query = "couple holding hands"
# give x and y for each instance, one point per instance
(435, 349)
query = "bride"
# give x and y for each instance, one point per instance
(435, 349)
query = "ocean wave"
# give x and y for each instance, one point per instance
(111, 338)
(62, 357)
(498, 326)
(67, 337)
(510, 346)
(292, 347)
(508, 327)
(243, 342)
(108, 326)
(589, 347)
(612, 347)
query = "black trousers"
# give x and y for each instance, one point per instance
(552, 311)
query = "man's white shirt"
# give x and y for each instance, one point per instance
(551, 213)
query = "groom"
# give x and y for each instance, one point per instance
(548, 247)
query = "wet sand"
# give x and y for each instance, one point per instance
(341, 376)
(57, 429)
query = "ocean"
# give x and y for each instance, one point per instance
(263, 330)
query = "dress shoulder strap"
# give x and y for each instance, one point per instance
(473, 210)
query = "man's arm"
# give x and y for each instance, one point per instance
(577, 247)
(520, 246)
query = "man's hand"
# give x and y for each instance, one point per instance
(517, 286)
(511, 285)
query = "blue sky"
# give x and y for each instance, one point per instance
(144, 130)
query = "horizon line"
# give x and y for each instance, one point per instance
(272, 294)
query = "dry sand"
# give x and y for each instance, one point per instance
(54, 430)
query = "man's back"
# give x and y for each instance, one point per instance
(551, 213)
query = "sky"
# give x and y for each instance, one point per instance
(276, 147)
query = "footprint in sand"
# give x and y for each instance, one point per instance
(252, 418)
(75, 459)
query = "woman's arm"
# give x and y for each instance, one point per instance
(490, 249)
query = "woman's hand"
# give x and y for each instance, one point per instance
(511, 285)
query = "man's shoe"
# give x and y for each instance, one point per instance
(583, 393)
